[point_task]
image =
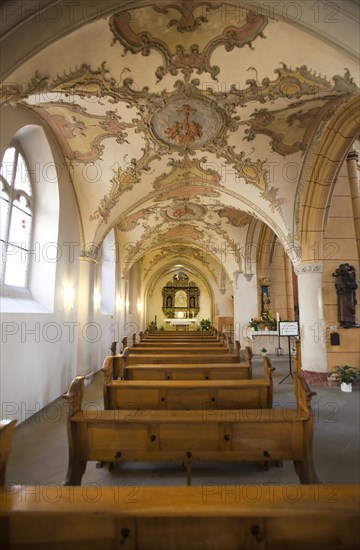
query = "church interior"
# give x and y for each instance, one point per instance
(186, 174)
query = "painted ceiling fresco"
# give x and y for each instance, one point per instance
(179, 124)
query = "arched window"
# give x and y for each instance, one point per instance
(16, 217)
(30, 213)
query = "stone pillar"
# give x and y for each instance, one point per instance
(353, 172)
(123, 306)
(245, 304)
(289, 287)
(312, 323)
(88, 330)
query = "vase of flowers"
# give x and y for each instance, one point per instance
(255, 323)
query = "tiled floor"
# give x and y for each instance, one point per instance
(39, 452)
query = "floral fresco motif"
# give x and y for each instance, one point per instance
(178, 53)
(130, 222)
(291, 129)
(236, 217)
(182, 232)
(270, 195)
(93, 128)
(186, 173)
(124, 180)
(136, 114)
(184, 211)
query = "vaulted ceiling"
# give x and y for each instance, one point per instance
(181, 122)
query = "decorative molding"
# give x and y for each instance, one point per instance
(304, 117)
(353, 155)
(236, 275)
(89, 256)
(183, 211)
(309, 268)
(122, 182)
(65, 125)
(191, 57)
(235, 216)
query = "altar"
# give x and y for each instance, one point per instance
(258, 339)
(268, 339)
(180, 323)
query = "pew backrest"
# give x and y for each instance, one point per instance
(6, 434)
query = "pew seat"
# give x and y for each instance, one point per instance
(6, 434)
(187, 394)
(252, 435)
(191, 371)
(211, 516)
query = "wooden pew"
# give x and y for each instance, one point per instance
(189, 371)
(176, 346)
(251, 435)
(188, 394)
(6, 433)
(215, 517)
(176, 350)
(132, 357)
(158, 359)
(164, 337)
(181, 344)
(182, 370)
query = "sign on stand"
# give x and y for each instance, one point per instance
(288, 329)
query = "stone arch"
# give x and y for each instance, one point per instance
(327, 159)
(166, 268)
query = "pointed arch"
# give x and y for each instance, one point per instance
(327, 160)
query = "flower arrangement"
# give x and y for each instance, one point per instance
(267, 321)
(168, 312)
(270, 320)
(255, 322)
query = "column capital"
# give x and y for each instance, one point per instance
(309, 268)
(353, 155)
(247, 276)
(86, 258)
(89, 254)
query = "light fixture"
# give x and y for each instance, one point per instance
(69, 296)
(97, 299)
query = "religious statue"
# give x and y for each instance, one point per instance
(346, 286)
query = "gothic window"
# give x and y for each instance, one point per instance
(16, 217)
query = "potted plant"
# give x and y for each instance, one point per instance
(205, 325)
(346, 376)
(263, 351)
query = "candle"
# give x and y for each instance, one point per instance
(277, 318)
